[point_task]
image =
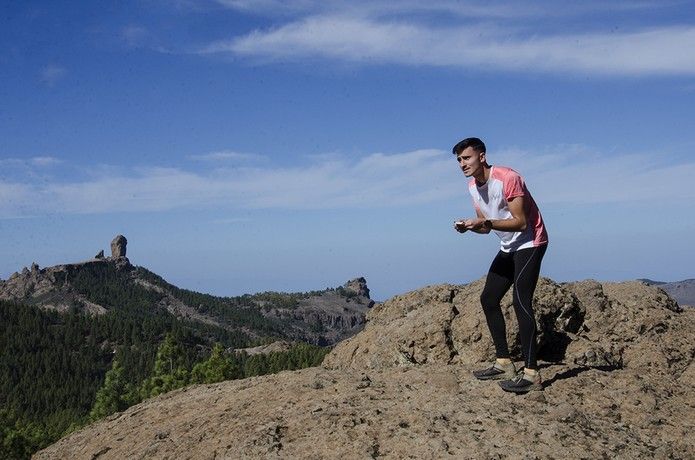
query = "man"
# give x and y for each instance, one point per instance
(504, 205)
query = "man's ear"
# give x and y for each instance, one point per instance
(482, 157)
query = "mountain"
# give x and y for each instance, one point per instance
(79, 341)
(682, 291)
(617, 359)
(96, 286)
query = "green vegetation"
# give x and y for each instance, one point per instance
(60, 371)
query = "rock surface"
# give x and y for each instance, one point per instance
(118, 246)
(358, 286)
(49, 287)
(623, 387)
(277, 346)
(682, 291)
(333, 314)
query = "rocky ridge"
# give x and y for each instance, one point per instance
(321, 317)
(682, 291)
(333, 314)
(617, 363)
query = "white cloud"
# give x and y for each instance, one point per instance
(477, 9)
(656, 51)
(51, 74)
(226, 155)
(44, 161)
(577, 175)
(511, 36)
(40, 161)
(566, 174)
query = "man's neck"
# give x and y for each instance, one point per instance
(482, 179)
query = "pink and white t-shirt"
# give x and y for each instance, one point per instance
(492, 199)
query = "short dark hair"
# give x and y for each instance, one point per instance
(474, 142)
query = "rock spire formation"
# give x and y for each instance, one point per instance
(118, 246)
(617, 362)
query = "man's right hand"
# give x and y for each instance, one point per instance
(460, 226)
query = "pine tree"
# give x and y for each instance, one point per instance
(214, 369)
(115, 395)
(170, 371)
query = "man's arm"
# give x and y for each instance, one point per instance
(517, 223)
(477, 228)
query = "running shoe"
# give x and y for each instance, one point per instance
(523, 383)
(496, 371)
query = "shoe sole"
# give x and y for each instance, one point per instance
(532, 387)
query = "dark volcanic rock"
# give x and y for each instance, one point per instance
(100, 255)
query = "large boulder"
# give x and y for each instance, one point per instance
(118, 246)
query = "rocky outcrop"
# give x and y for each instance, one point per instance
(275, 347)
(452, 328)
(619, 383)
(331, 315)
(49, 288)
(118, 246)
(322, 317)
(682, 291)
(100, 255)
(358, 286)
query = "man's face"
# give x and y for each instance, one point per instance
(471, 162)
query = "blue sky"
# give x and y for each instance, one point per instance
(245, 146)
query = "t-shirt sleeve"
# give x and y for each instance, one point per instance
(513, 186)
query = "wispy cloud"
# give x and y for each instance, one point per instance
(565, 174)
(225, 156)
(40, 161)
(44, 161)
(507, 36)
(52, 73)
(457, 8)
(572, 174)
(654, 51)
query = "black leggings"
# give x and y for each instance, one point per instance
(520, 268)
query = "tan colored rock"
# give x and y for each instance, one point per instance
(429, 412)
(445, 324)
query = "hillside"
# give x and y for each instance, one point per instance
(102, 284)
(619, 383)
(682, 291)
(71, 331)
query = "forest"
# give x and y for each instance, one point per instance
(60, 371)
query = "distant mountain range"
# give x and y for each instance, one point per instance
(682, 291)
